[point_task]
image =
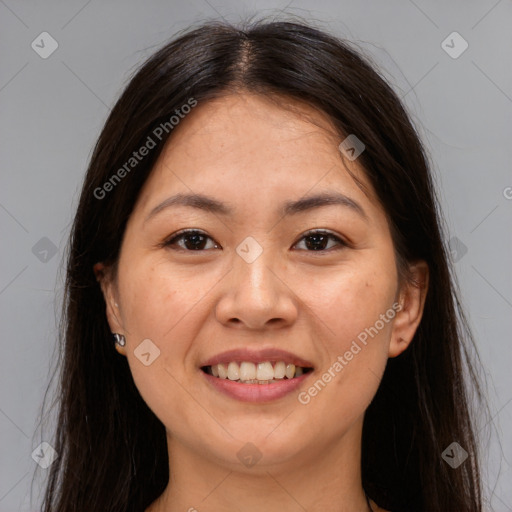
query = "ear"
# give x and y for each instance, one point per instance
(412, 294)
(108, 287)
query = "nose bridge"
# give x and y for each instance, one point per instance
(255, 294)
(253, 269)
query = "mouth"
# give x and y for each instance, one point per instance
(257, 376)
(262, 373)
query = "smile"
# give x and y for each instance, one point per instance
(246, 372)
(255, 382)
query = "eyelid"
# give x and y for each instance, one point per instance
(321, 231)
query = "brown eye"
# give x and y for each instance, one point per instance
(194, 240)
(189, 240)
(319, 240)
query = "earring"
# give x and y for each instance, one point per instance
(119, 339)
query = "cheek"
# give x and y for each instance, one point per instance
(160, 307)
(356, 308)
(169, 308)
(156, 300)
(352, 300)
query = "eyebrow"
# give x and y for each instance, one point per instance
(209, 204)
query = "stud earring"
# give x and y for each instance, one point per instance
(119, 339)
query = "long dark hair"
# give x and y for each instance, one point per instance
(112, 448)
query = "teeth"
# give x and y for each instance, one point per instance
(233, 371)
(279, 370)
(290, 371)
(261, 373)
(265, 371)
(223, 371)
(247, 371)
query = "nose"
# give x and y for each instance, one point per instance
(255, 296)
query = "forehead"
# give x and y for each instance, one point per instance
(253, 149)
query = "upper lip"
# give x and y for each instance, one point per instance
(257, 356)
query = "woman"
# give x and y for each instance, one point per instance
(258, 238)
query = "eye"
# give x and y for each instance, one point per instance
(317, 240)
(193, 240)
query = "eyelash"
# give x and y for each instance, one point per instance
(181, 234)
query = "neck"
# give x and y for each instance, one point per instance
(319, 478)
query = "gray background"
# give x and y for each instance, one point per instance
(52, 110)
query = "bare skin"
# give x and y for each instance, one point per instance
(245, 151)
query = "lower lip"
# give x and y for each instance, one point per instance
(256, 392)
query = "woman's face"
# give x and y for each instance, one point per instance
(251, 281)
